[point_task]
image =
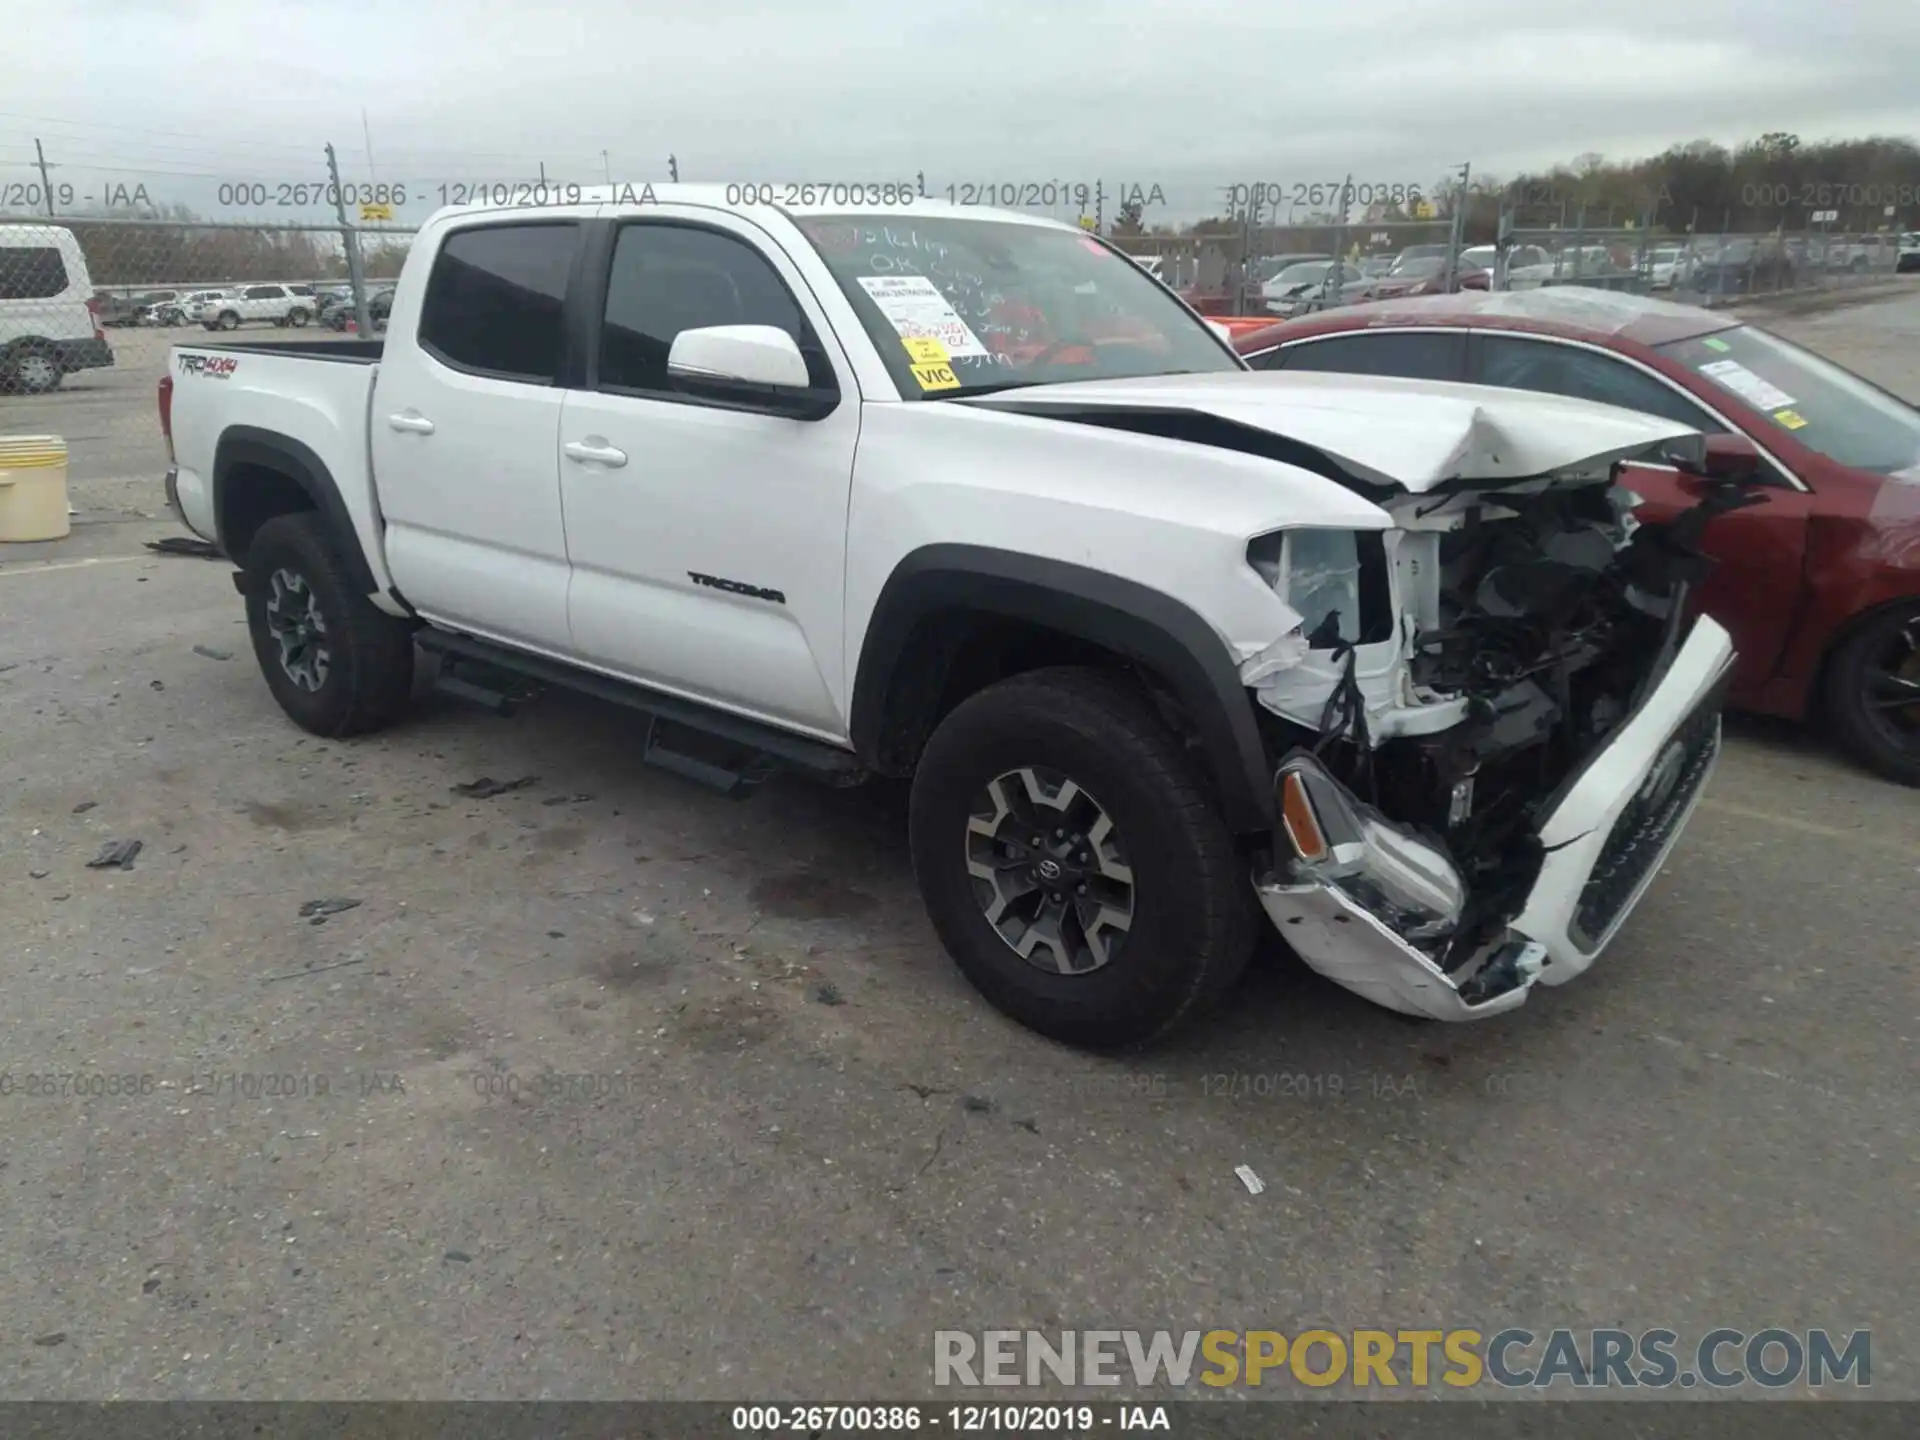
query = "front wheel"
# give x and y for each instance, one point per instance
(337, 665)
(1873, 693)
(1073, 863)
(229, 320)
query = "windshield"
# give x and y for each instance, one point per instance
(1304, 274)
(1823, 407)
(1415, 254)
(1421, 268)
(964, 306)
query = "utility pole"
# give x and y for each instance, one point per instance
(673, 169)
(606, 165)
(46, 185)
(367, 132)
(543, 175)
(350, 239)
(1457, 230)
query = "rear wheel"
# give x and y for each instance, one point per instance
(1873, 693)
(297, 318)
(1072, 862)
(336, 664)
(229, 320)
(30, 369)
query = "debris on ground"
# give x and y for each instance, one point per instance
(458, 1257)
(486, 787)
(116, 855)
(829, 995)
(36, 874)
(84, 806)
(1032, 1127)
(156, 684)
(1252, 1181)
(311, 970)
(211, 653)
(58, 1337)
(185, 545)
(978, 1105)
(327, 907)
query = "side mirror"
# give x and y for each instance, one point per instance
(758, 366)
(758, 355)
(1731, 459)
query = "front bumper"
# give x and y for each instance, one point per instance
(1606, 834)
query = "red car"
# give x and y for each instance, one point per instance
(1820, 585)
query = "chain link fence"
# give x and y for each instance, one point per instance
(97, 294)
(90, 305)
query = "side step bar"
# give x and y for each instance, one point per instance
(725, 752)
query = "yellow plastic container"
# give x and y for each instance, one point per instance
(33, 488)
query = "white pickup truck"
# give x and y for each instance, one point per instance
(917, 490)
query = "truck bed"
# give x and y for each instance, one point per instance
(301, 405)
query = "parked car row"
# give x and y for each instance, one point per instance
(225, 307)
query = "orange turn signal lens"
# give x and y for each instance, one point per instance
(1302, 825)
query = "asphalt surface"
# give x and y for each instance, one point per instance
(634, 1091)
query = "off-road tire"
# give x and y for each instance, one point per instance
(1849, 705)
(1192, 930)
(369, 674)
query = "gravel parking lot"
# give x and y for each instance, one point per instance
(607, 1087)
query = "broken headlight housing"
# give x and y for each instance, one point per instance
(1406, 882)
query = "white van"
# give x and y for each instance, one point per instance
(49, 326)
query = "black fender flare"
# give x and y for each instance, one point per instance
(250, 445)
(1146, 625)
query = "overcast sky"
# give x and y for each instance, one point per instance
(1188, 94)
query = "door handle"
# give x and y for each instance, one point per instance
(411, 423)
(588, 453)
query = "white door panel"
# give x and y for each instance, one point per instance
(468, 462)
(709, 543)
(473, 519)
(752, 500)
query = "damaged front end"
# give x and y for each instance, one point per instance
(1493, 723)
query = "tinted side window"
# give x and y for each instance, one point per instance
(495, 300)
(1517, 364)
(35, 273)
(264, 292)
(1425, 356)
(1272, 360)
(669, 278)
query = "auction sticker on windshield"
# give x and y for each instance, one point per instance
(1759, 393)
(917, 310)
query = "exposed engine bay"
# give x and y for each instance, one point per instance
(1459, 671)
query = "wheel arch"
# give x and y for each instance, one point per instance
(244, 452)
(900, 687)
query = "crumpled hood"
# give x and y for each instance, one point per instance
(1415, 435)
